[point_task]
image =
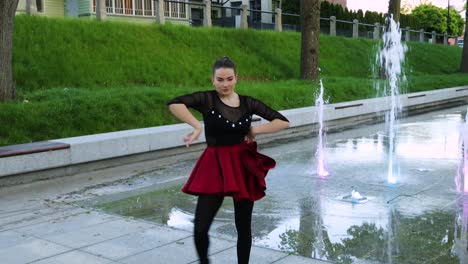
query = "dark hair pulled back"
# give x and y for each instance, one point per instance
(224, 62)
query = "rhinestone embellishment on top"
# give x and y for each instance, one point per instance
(233, 125)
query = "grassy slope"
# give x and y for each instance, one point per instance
(78, 77)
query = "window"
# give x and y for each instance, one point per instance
(255, 5)
(125, 7)
(236, 12)
(278, 4)
(148, 7)
(119, 7)
(109, 6)
(175, 10)
(40, 6)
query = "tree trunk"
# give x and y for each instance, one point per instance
(310, 30)
(7, 16)
(394, 8)
(101, 12)
(464, 61)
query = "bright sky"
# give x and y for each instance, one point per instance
(382, 5)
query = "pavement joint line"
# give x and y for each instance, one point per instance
(281, 258)
(40, 238)
(65, 252)
(45, 239)
(86, 252)
(79, 248)
(162, 245)
(222, 250)
(58, 211)
(37, 260)
(454, 201)
(67, 231)
(34, 209)
(22, 211)
(21, 226)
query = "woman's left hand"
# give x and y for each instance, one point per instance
(250, 137)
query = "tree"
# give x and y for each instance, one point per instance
(394, 9)
(7, 16)
(290, 6)
(310, 30)
(456, 22)
(464, 61)
(430, 18)
(406, 8)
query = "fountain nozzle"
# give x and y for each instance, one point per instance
(356, 197)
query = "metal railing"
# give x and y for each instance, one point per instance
(223, 16)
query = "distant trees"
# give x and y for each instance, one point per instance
(427, 16)
(433, 18)
(430, 18)
(457, 23)
(464, 60)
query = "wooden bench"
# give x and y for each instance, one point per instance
(29, 148)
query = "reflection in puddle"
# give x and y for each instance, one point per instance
(421, 220)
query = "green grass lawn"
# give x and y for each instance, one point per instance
(77, 77)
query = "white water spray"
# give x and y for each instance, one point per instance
(460, 236)
(461, 180)
(319, 102)
(390, 59)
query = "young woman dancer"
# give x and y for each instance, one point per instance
(230, 165)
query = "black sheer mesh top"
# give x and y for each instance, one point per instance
(226, 125)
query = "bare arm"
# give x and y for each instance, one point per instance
(272, 127)
(183, 114)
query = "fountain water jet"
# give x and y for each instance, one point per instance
(460, 243)
(461, 180)
(321, 168)
(390, 59)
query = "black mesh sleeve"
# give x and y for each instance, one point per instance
(197, 100)
(261, 109)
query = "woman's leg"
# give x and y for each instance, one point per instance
(207, 206)
(243, 214)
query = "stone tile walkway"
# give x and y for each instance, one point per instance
(36, 228)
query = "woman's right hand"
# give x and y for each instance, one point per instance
(192, 136)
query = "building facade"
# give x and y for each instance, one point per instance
(175, 11)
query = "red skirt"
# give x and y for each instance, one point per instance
(237, 170)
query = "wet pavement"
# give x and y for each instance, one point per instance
(43, 223)
(305, 218)
(421, 218)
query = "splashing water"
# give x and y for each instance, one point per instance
(321, 168)
(461, 180)
(460, 236)
(390, 58)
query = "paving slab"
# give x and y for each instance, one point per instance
(292, 259)
(30, 250)
(67, 223)
(74, 257)
(37, 216)
(257, 255)
(98, 233)
(178, 252)
(135, 243)
(11, 238)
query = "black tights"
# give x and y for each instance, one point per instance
(207, 207)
